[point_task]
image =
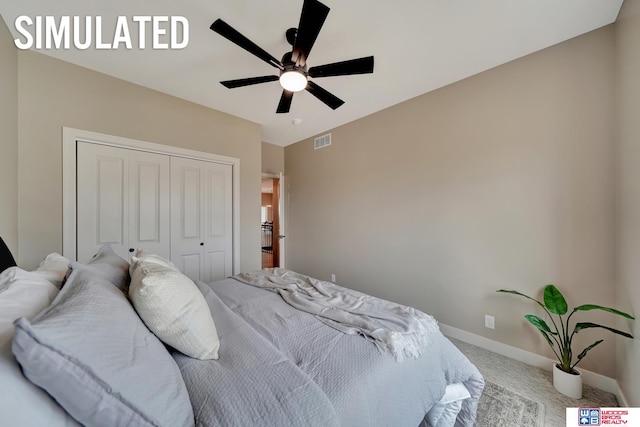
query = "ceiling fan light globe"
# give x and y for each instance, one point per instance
(293, 81)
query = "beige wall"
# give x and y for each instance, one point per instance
(272, 158)
(53, 94)
(8, 139)
(628, 230)
(503, 180)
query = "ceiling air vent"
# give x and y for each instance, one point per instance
(322, 141)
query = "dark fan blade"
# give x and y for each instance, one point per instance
(311, 20)
(228, 32)
(331, 100)
(285, 102)
(231, 84)
(344, 68)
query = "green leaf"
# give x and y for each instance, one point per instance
(554, 301)
(586, 325)
(518, 293)
(539, 323)
(585, 351)
(587, 307)
(522, 295)
(546, 337)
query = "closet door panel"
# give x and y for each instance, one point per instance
(216, 266)
(201, 218)
(218, 221)
(149, 202)
(110, 200)
(190, 203)
(190, 264)
(216, 204)
(147, 218)
(102, 209)
(186, 216)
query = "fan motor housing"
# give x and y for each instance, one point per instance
(289, 65)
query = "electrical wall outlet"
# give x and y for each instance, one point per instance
(489, 321)
(333, 278)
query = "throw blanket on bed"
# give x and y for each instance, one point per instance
(401, 330)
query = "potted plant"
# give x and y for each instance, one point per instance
(559, 336)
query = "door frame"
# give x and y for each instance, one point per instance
(281, 215)
(71, 136)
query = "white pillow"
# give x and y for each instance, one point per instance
(173, 308)
(22, 294)
(152, 257)
(53, 268)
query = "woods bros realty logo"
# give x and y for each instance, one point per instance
(602, 416)
(67, 32)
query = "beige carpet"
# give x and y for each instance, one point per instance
(533, 383)
(501, 407)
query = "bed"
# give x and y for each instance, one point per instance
(141, 344)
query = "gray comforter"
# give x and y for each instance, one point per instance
(394, 328)
(280, 366)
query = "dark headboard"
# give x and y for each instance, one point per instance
(6, 259)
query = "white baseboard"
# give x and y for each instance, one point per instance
(622, 398)
(593, 379)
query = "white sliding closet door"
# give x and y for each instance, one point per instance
(201, 218)
(123, 199)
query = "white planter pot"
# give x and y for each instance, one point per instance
(567, 384)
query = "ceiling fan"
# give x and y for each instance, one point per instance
(294, 75)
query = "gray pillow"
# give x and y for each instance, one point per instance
(107, 264)
(92, 353)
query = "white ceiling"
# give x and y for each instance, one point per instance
(419, 46)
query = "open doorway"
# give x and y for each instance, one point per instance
(271, 222)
